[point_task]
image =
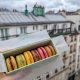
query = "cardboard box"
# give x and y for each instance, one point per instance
(25, 43)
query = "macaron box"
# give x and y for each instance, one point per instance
(29, 50)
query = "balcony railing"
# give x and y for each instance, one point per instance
(56, 32)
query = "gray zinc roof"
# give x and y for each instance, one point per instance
(15, 18)
(55, 17)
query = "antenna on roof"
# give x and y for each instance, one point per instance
(26, 6)
(36, 3)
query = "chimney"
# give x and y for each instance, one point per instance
(38, 10)
(26, 11)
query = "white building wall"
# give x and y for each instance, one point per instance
(12, 31)
(18, 31)
(30, 29)
(74, 18)
(61, 76)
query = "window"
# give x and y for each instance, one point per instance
(55, 27)
(4, 33)
(35, 27)
(79, 48)
(78, 66)
(64, 26)
(71, 38)
(75, 38)
(65, 38)
(74, 48)
(78, 58)
(64, 55)
(45, 26)
(70, 60)
(74, 57)
(71, 49)
(79, 27)
(56, 71)
(23, 29)
(64, 67)
(70, 68)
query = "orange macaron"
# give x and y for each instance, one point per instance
(48, 50)
(52, 49)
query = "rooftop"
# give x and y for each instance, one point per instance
(69, 12)
(17, 18)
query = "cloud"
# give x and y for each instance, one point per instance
(74, 2)
(48, 4)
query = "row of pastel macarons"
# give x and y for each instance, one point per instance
(29, 57)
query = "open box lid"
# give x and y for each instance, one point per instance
(60, 44)
(24, 40)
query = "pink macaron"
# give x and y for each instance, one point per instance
(41, 53)
(44, 51)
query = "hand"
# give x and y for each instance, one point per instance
(17, 76)
(8, 78)
(3, 76)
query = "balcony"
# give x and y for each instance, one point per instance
(57, 32)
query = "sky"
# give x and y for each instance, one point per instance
(70, 5)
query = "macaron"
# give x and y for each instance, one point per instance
(48, 51)
(26, 55)
(35, 56)
(52, 49)
(41, 53)
(44, 51)
(29, 58)
(8, 64)
(20, 60)
(11, 63)
(39, 57)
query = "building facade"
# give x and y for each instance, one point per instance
(75, 17)
(13, 24)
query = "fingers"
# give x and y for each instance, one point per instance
(2, 75)
(7, 78)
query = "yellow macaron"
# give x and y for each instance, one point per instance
(20, 60)
(29, 58)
